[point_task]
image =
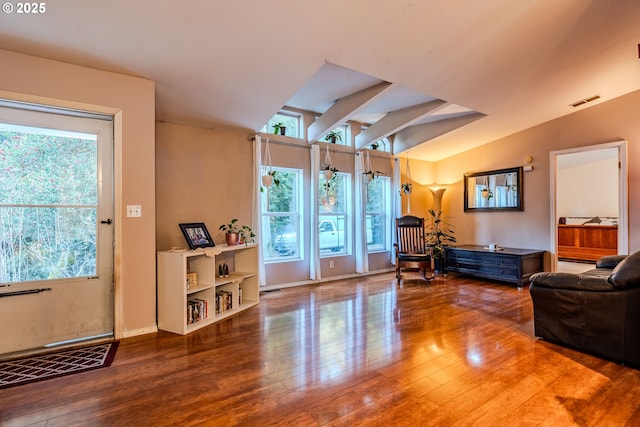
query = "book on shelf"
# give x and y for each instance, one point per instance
(192, 280)
(197, 309)
(224, 301)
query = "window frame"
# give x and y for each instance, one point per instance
(298, 219)
(385, 214)
(347, 214)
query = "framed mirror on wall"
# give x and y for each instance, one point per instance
(497, 190)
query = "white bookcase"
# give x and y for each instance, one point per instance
(239, 291)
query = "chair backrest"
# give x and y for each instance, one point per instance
(410, 235)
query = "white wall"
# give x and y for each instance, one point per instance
(588, 190)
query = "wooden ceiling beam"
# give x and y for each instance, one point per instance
(342, 109)
(418, 134)
(397, 120)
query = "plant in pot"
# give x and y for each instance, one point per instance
(268, 179)
(439, 233)
(334, 136)
(279, 129)
(236, 234)
(369, 174)
(405, 188)
(329, 173)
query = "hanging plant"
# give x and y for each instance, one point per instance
(369, 173)
(269, 179)
(407, 187)
(268, 174)
(485, 192)
(328, 169)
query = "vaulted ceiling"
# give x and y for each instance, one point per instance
(440, 76)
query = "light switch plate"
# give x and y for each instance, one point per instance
(134, 211)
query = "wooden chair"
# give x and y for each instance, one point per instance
(411, 248)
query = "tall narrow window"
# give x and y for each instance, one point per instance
(282, 236)
(378, 214)
(334, 214)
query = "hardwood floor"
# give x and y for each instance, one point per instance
(454, 351)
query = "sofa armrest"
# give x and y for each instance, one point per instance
(568, 281)
(609, 261)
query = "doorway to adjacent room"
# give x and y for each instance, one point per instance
(588, 205)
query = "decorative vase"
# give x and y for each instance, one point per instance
(283, 130)
(233, 239)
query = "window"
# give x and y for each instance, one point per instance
(281, 217)
(381, 145)
(378, 211)
(339, 136)
(334, 214)
(289, 120)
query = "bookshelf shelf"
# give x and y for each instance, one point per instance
(183, 309)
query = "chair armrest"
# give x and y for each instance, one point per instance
(609, 261)
(568, 281)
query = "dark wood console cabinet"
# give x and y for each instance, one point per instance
(507, 264)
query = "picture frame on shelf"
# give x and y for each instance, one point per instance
(197, 235)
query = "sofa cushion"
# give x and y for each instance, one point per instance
(609, 261)
(569, 281)
(626, 275)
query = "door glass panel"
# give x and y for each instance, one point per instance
(48, 204)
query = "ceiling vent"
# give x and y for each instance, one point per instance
(585, 101)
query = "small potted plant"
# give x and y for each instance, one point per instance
(375, 145)
(279, 128)
(269, 179)
(236, 234)
(370, 175)
(334, 136)
(406, 188)
(329, 171)
(486, 193)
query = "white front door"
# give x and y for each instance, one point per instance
(56, 231)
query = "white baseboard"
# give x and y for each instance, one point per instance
(141, 331)
(324, 279)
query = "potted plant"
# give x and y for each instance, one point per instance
(279, 128)
(370, 175)
(269, 179)
(375, 145)
(236, 234)
(406, 188)
(486, 193)
(439, 234)
(327, 168)
(329, 172)
(334, 136)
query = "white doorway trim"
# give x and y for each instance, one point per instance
(623, 202)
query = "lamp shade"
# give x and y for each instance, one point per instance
(437, 198)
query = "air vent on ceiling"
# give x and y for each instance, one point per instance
(585, 101)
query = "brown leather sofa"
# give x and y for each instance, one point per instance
(597, 312)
